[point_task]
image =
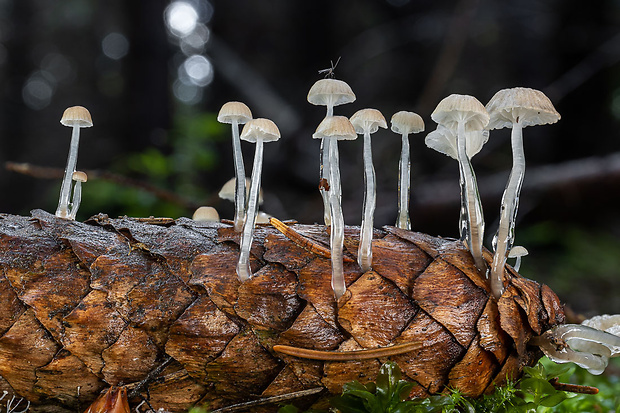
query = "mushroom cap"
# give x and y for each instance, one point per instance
(605, 322)
(234, 111)
(330, 91)
(206, 214)
(338, 127)
(79, 176)
(455, 108)
(368, 119)
(228, 190)
(517, 251)
(260, 128)
(407, 122)
(77, 116)
(531, 107)
(443, 140)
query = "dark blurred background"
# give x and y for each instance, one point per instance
(155, 73)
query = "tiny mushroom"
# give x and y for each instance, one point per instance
(517, 252)
(256, 131)
(79, 177)
(405, 123)
(329, 93)
(367, 121)
(332, 129)
(206, 214)
(515, 108)
(76, 117)
(237, 113)
(228, 190)
(461, 114)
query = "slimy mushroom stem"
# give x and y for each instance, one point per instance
(367, 121)
(405, 123)
(515, 108)
(328, 92)
(76, 117)
(256, 131)
(237, 113)
(330, 130)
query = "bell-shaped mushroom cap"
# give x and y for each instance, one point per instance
(260, 128)
(407, 122)
(77, 116)
(455, 108)
(338, 127)
(531, 107)
(517, 251)
(370, 119)
(443, 140)
(206, 214)
(232, 111)
(333, 92)
(79, 176)
(228, 190)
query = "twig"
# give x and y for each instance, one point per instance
(346, 355)
(269, 400)
(42, 172)
(573, 388)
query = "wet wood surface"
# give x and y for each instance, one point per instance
(87, 306)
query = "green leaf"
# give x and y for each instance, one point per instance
(289, 408)
(554, 399)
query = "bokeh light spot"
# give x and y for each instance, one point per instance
(115, 46)
(37, 92)
(181, 18)
(188, 94)
(199, 70)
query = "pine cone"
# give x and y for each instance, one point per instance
(86, 306)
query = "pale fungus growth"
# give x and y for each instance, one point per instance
(329, 93)
(515, 108)
(257, 131)
(461, 114)
(443, 140)
(237, 113)
(588, 347)
(228, 190)
(331, 130)
(517, 252)
(76, 117)
(366, 122)
(78, 177)
(206, 214)
(405, 123)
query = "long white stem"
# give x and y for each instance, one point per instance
(337, 229)
(65, 189)
(239, 177)
(324, 172)
(77, 199)
(364, 253)
(504, 237)
(404, 181)
(474, 214)
(244, 272)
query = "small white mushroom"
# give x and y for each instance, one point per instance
(461, 114)
(332, 129)
(256, 131)
(229, 188)
(237, 113)
(76, 117)
(517, 252)
(366, 122)
(206, 214)
(78, 177)
(405, 123)
(329, 93)
(515, 108)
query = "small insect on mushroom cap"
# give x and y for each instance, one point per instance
(260, 128)
(463, 108)
(234, 111)
(330, 91)
(79, 176)
(531, 107)
(407, 122)
(228, 190)
(370, 119)
(338, 127)
(77, 116)
(206, 214)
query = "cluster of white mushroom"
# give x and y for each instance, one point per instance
(589, 345)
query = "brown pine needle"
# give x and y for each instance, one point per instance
(365, 354)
